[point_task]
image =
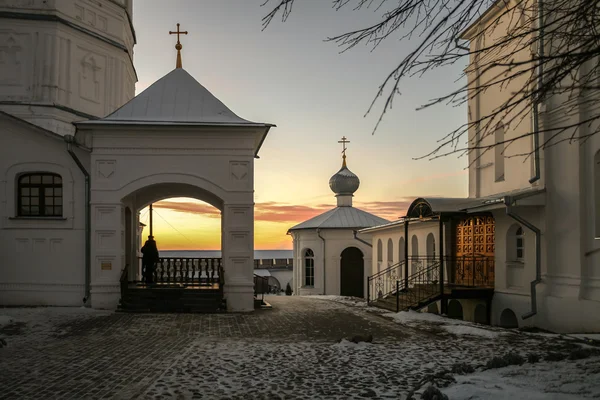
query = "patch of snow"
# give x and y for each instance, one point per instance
(453, 326)
(585, 336)
(349, 301)
(346, 344)
(543, 381)
(470, 330)
(6, 320)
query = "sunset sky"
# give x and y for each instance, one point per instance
(289, 76)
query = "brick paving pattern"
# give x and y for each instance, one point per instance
(287, 352)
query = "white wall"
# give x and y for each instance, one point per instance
(139, 165)
(336, 241)
(50, 63)
(43, 260)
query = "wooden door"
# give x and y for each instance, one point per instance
(475, 246)
(352, 273)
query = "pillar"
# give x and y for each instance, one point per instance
(108, 253)
(237, 245)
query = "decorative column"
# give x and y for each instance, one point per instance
(108, 253)
(237, 246)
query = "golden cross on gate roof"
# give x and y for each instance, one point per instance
(343, 142)
(178, 46)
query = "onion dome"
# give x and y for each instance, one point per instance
(344, 182)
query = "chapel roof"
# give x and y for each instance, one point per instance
(176, 98)
(342, 218)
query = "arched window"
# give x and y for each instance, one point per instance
(430, 246)
(379, 254)
(515, 244)
(414, 248)
(40, 195)
(309, 268)
(499, 137)
(520, 244)
(390, 252)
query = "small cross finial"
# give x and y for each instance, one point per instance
(343, 142)
(178, 46)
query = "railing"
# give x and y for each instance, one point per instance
(422, 285)
(471, 271)
(383, 283)
(423, 281)
(186, 272)
(261, 286)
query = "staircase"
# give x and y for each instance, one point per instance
(172, 300)
(200, 295)
(389, 290)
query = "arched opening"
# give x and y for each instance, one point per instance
(414, 254)
(379, 254)
(274, 285)
(390, 253)
(480, 315)
(431, 246)
(433, 308)
(352, 273)
(515, 244)
(508, 319)
(186, 225)
(455, 309)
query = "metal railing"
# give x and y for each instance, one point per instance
(383, 283)
(261, 286)
(179, 271)
(471, 271)
(423, 282)
(422, 286)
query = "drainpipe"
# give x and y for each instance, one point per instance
(538, 255)
(324, 259)
(360, 240)
(70, 140)
(540, 82)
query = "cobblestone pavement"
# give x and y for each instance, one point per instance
(288, 352)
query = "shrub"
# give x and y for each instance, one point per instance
(288, 290)
(462, 368)
(555, 356)
(580, 354)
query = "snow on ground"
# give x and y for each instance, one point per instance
(566, 380)
(35, 323)
(6, 320)
(453, 326)
(293, 351)
(349, 301)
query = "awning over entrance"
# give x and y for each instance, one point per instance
(433, 206)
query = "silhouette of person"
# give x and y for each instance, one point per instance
(149, 258)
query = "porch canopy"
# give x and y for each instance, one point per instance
(435, 206)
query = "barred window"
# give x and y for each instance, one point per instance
(40, 195)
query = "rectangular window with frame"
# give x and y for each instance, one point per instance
(40, 195)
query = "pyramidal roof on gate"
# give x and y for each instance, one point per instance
(176, 98)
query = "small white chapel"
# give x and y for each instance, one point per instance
(80, 156)
(329, 256)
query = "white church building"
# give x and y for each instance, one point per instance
(80, 156)
(329, 256)
(523, 249)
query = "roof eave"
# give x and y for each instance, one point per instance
(467, 33)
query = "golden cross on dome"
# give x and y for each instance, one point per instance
(178, 46)
(343, 142)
